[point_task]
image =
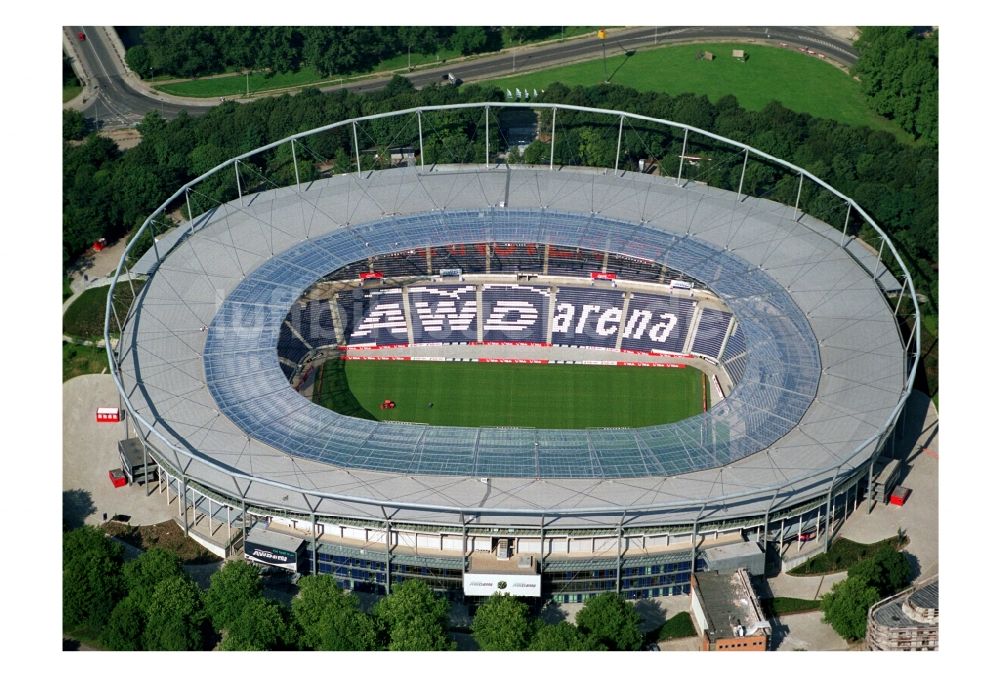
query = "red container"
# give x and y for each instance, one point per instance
(108, 415)
(899, 496)
(117, 478)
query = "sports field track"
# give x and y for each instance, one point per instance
(475, 394)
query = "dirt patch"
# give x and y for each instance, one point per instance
(167, 535)
(123, 138)
(846, 33)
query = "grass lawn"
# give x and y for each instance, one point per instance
(236, 84)
(843, 554)
(678, 626)
(81, 359)
(85, 317)
(783, 605)
(70, 92)
(559, 396)
(800, 82)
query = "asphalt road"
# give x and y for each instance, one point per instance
(118, 105)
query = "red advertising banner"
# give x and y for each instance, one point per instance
(649, 363)
(522, 343)
(603, 275)
(371, 275)
(372, 346)
(367, 358)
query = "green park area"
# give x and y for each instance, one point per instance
(800, 82)
(82, 359)
(84, 318)
(237, 84)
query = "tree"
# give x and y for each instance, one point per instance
(845, 607)
(330, 618)
(561, 636)
(415, 618)
(125, 626)
(469, 39)
(91, 578)
(898, 69)
(259, 626)
(397, 85)
(424, 39)
(74, 125)
(230, 590)
(611, 621)
(502, 624)
(141, 575)
(888, 570)
(139, 61)
(175, 617)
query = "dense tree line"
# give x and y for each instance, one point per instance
(107, 192)
(189, 51)
(898, 69)
(150, 603)
(606, 622)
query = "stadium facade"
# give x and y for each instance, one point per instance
(799, 318)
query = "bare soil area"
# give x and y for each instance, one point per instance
(123, 138)
(167, 535)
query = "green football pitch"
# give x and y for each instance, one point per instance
(473, 394)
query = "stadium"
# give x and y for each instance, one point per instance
(440, 367)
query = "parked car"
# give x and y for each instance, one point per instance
(81, 37)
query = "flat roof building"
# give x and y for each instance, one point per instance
(727, 612)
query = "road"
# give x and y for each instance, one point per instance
(121, 101)
(116, 104)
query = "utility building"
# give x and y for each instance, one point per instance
(727, 612)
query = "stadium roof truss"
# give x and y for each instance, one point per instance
(827, 370)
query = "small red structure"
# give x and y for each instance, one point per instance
(108, 415)
(388, 403)
(899, 496)
(100, 244)
(117, 478)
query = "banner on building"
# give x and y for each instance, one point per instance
(487, 584)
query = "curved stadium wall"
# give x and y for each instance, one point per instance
(827, 371)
